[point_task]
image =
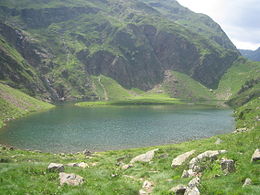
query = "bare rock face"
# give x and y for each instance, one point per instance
(247, 182)
(147, 157)
(70, 179)
(256, 156)
(55, 167)
(228, 166)
(179, 189)
(179, 160)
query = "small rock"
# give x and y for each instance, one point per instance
(70, 179)
(179, 189)
(81, 165)
(124, 167)
(142, 192)
(218, 141)
(192, 191)
(179, 160)
(147, 157)
(241, 130)
(188, 173)
(87, 153)
(247, 182)
(194, 182)
(55, 167)
(147, 187)
(256, 156)
(228, 166)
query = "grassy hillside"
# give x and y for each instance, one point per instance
(25, 172)
(241, 71)
(14, 104)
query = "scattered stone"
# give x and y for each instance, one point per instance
(192, 191)
(256, 156)
(81, 165)
(70, 179)
(241, 130)
(187, 173)
(247, 182)
(147, 157)
(55, 167)
(179, 160)
(218, 141)
(210, 154)
(194, 182)
(124, 167)
(228, 166)
(179, 189)
(147, 188)
(87, 153)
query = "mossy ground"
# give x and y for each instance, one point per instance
(14, 104)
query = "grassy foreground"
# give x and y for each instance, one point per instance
(14, 104)
(24, 172)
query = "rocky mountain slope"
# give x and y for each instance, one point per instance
(51, 49)
(250, 54)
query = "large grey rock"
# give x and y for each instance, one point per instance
(228, 166)
(70, 179)
(55, 167)
(194, 164)
(192, 191)
(256, 156)
(179, 189)
(179, 160)
(147, 157)
(247, 182)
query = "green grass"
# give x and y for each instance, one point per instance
(14, 104)
(236, 76)
(184, 87)
(25, 171)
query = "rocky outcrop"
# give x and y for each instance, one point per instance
(179, 160)
(247, 182)
(147, 157)
(70, 179)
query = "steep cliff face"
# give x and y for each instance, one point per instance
(133, 42)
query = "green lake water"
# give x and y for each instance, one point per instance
(69, 128)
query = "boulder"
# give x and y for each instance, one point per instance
(70, 179)
(256, 156)
(194, 182)
(192, 191)
(179, 189)
(55, 167)
(81, 165)
(228, 166)
(188, 173)
(147, 157)
(194, 164)
(247, 182)
(179, 160)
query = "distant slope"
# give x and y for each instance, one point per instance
(251, 55)
(232, 81)
(14, 104)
